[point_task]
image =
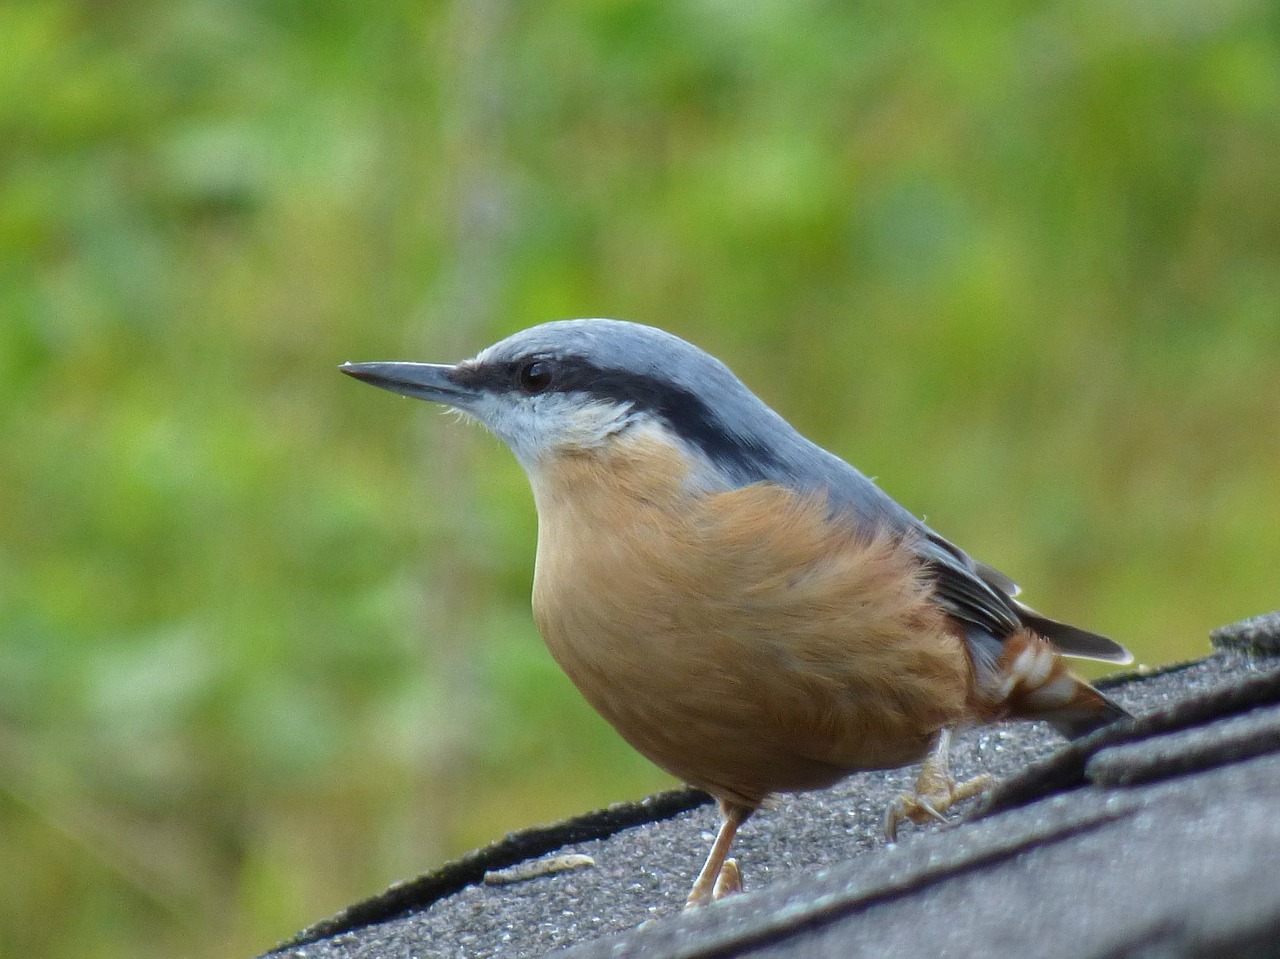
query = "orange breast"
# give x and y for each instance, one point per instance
(740, 640)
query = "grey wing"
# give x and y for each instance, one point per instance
(982, 596)
(967, 595)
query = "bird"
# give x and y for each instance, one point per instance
(749, 611)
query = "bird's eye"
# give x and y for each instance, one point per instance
(534, 376)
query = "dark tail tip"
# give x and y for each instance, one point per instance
(1075, 722)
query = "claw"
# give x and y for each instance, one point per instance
(896, 812)
(909, 806)
(935, 791)
(925, 806)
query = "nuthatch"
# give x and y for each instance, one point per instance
(746, 609)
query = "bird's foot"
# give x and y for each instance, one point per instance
(720, 876)
(935, 791)
(921, 806)
(729, 881)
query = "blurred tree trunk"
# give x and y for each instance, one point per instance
(453, 322)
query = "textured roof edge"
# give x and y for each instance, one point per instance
(1066, 768)
(1257, 634)
(514, 848)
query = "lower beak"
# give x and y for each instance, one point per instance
(424, 381)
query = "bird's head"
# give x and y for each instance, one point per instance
(579, 385)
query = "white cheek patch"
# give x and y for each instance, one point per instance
(538, 427)
(535, 427)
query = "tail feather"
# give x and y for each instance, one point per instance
(1031, 681)
(1073, 640)
(1073, 725)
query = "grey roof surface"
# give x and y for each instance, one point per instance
(1157, 837)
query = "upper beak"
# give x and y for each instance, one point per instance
(424, 381)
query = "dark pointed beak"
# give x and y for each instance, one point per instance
(423, 381)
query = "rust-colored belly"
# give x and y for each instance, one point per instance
(740, 640)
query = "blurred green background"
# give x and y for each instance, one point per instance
(265, 643)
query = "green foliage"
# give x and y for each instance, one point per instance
(266, 643)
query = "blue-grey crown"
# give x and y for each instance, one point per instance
(655, 372)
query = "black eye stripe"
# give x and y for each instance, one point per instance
(683, 411)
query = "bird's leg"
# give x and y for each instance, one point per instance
(712, 882)
(935, 790)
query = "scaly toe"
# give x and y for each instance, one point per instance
(729, 881)
(971, 787)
